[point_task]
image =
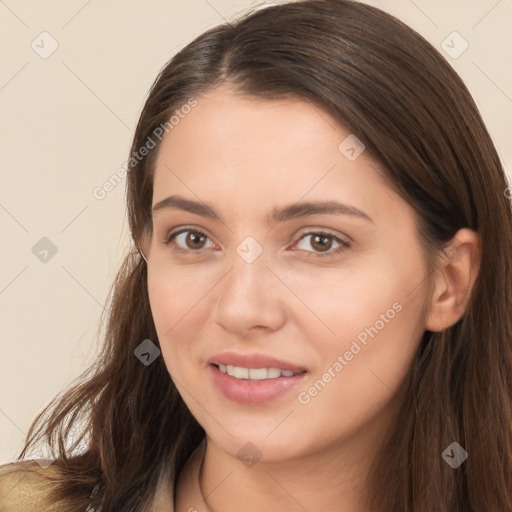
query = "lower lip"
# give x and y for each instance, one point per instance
(253, 392)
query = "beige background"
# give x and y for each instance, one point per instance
(66, 126)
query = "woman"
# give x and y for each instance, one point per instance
(339, 338)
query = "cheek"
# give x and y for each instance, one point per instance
(368, 315)
(179, 306)
(337, 304)
(174, 297)
(372, 319)
(357, 380)
(167, 307)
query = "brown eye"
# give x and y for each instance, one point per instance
(194, 240)
(322, 243)
(190, 240)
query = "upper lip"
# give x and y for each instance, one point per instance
(254, 361)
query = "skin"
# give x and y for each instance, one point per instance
(245, 156)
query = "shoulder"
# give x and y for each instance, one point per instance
(22, 487)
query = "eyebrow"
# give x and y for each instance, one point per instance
(276, 215)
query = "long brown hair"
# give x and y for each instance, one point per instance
(390, 87)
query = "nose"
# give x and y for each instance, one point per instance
(250, 296)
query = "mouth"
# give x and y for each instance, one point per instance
(253, 386)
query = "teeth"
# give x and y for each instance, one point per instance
(239, 373)
(258, 373)
(254, 373)
(273, 373)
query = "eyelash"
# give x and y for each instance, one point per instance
(344, 245)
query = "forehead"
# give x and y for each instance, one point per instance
(241, 151)
(224, 120)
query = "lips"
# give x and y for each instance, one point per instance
(254, 392)
(254, 361)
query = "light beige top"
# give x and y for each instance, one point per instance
(19, 490)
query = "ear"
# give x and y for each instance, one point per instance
(456, 275)
(142, 240)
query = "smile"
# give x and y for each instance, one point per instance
(254, 373)
(253, 386)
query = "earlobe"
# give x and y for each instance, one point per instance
(139, 249)
(142, 241)
(456, 275)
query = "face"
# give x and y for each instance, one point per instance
(339, 295)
